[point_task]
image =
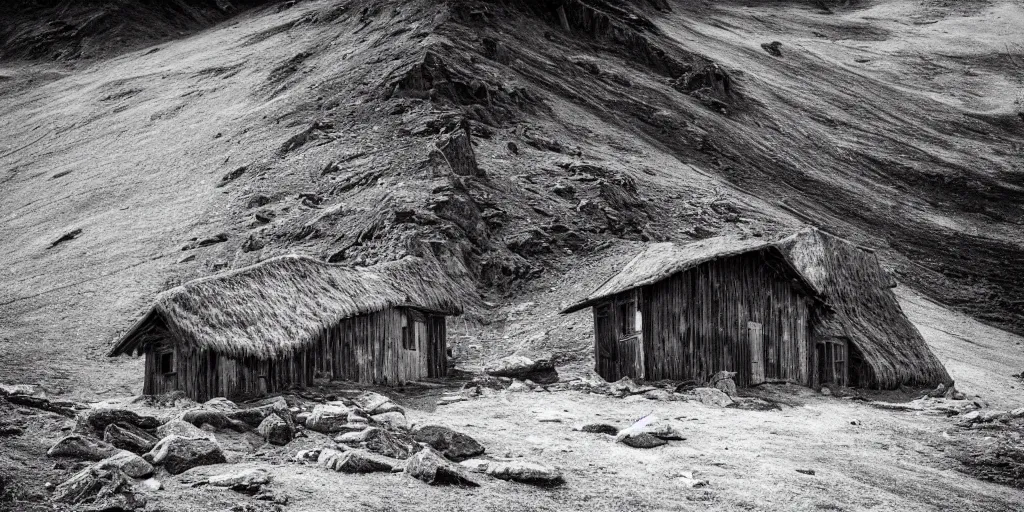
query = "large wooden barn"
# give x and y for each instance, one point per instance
(278, 324)
(769, 311)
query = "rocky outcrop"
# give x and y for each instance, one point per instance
(94, 422)
(129, 463)
(182, 429)
(356, 461)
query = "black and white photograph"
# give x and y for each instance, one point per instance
(511, 255)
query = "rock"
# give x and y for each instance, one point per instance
(370, 401)
(825, 391)
(476, 465)
(711, 396)
(182, 429)
(327, 419)
(393, 419)
(215, 419)
(552, 416)
(129, 437)
(356, 461)
(83, 448)
(308, 455)
(152, 484)
(179, 454)
(220, 404)
(431, 467)
(485, 381)
(520, 367)
(773, 48)
(665, 429)
(642, 440)
(390, 444)
(102, 489)
(275, 430)
(660, 394)
(451, 399)
(253, 416)
(1017, 413)
(526, 472)
(128, 462)
(453, 445)
(354, 437)
(806, 471)
(249, 481)
(727, 386)
(10, 430)
(95, 421)
(855, 422)
(597, 428)
(518, 386)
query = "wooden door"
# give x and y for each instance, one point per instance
(604, 343)
(756, 337)
(631, 357)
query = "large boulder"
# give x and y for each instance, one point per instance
(453, 445)
(128, 462)
(179, 454)
(526, 472)
(249, 481)
(82, 448)
(182, 429)
(220, 404)
(724, 382)
(275, 430)
(327, 418)
(215, 419)
(101, 489)
(94, 422)
(431, 467)
(711, 396)
(356, 461)
(397, 445)
(129, 437)
(523, 368)
(253, 416)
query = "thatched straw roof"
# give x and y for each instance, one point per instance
(865, 307)
(663, 260)
(285, 303)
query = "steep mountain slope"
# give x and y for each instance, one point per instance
(312, 127)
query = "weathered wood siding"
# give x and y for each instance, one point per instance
(366, 349)
(697, 322)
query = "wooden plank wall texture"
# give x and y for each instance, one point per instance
(695, 323)
(366, 349)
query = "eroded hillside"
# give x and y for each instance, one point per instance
(309, 127)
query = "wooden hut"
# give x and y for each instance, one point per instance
(811, 309)
(686, 312)
(866, 340)
(278, 324)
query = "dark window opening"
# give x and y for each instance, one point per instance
(627, 318)
(167, 363)
(408, 333)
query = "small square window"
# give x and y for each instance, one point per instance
(167, 363)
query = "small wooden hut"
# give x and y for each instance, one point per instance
(811, 309)
(278, 324)
(686, 312)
